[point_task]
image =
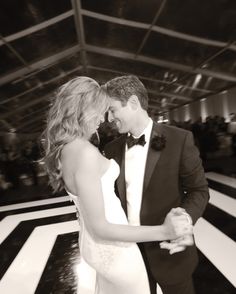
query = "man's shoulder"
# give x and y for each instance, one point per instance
(174, 134)
(173, 130)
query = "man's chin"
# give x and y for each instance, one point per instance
(120, 130)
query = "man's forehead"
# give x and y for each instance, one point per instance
(114, 103)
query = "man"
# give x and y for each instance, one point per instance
(161, 171)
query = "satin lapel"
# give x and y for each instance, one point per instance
(152, 158)
(121, 179)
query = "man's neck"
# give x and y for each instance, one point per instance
(140, 125)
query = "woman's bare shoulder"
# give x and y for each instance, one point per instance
(78, 146)
(79, 153)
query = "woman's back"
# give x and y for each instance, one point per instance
(72, 160)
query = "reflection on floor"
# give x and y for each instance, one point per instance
(39, 232)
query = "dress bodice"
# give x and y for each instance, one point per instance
(113, 209)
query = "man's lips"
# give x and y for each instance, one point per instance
(115, 124)
(118, 124)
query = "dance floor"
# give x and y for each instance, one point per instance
(39, 251)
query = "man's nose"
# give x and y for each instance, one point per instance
(102, 119)
(109, 116)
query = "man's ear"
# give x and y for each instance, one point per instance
(134, 102)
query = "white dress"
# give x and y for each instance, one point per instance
(118, 266)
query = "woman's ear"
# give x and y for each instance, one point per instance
(134, 102)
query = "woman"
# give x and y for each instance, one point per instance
(107, 242)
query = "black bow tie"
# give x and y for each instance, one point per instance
(131, 141)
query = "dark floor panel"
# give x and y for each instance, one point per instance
(59, 276)
(224, 222)
(227, 190)
(208, 280)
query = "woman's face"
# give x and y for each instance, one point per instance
(98, 114)
(95, 123)
(100, 119)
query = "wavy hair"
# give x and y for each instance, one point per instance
(76, 106)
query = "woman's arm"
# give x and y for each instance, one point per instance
(88, 185)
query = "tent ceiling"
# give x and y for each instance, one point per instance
(181, 50)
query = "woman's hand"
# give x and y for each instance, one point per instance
(176, 224)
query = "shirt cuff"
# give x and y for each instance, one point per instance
(188, 217)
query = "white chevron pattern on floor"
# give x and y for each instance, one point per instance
(34, 203)
(9, 223)
(217, 247)
(228, 181)
(223, 202)
(29, 264)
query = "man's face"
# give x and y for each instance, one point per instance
(120, 115)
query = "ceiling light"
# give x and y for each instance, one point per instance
(196, 80)
(178, 89)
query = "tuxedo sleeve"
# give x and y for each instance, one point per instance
(192, 179)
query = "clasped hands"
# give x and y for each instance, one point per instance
(180, 231)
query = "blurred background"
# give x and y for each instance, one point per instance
(185, 54)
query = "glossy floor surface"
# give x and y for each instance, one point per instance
(39, 233)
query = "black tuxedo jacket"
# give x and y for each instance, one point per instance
(173, 177)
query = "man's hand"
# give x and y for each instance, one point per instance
(178, 244)
(177, 224)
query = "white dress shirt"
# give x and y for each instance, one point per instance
(135, 162)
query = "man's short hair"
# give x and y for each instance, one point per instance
(122, 87)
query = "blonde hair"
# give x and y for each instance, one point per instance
(77, 104)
